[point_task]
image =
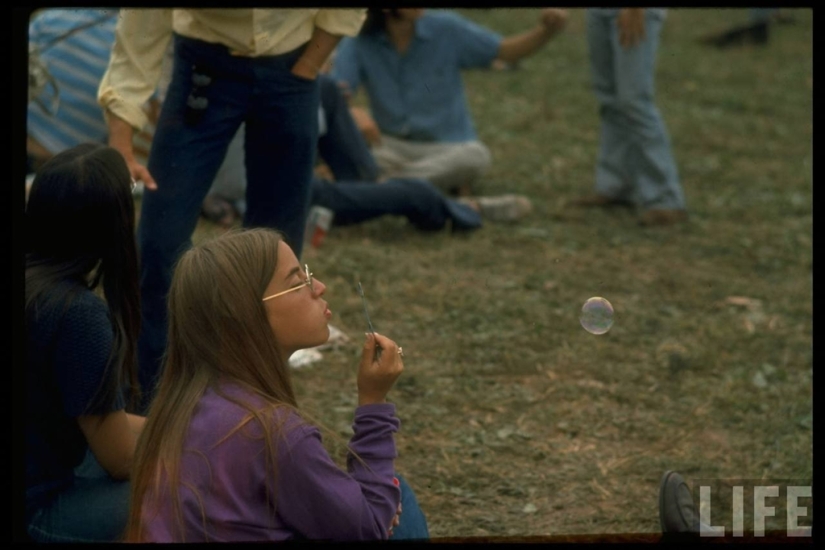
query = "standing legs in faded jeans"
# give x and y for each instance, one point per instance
(211, 93)
(635, 162)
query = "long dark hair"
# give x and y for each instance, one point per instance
(376, 21)
(80, 227)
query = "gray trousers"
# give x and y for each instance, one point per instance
(635, 162)
(447, 165)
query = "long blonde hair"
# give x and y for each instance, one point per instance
(218, 330)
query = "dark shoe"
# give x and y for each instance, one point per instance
(219, 211)
(662, 216)
(597, 200)
(677, 513)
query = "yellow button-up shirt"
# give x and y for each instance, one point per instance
(142, 36)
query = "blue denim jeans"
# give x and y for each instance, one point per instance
(210, 94)
(635, 161)
(421, 202)
(343, 147)
(412, 523)
(94, 509)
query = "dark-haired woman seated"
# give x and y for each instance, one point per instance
(82, 318)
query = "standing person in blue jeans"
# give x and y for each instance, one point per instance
(231, 66)
(80, 346)
(635, 162)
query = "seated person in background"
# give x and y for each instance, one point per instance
(755, 31)
(410, 61)
(80, 227)
(71, 53)
(355, 196)
(227, 455)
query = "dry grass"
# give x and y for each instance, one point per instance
(515, 420)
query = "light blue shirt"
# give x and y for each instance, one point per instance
(419, 95)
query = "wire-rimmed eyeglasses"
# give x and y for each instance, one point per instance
(307, 282)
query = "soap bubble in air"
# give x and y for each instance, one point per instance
(597, 315)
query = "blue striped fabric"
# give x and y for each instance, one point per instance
(77, 63)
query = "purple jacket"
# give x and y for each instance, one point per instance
(314, 498)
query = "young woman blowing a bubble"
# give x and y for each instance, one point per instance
(226, 454)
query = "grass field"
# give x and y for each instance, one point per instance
(516, 421)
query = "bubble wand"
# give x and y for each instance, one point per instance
(369, 323)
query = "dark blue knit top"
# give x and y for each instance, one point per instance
(67, 361)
